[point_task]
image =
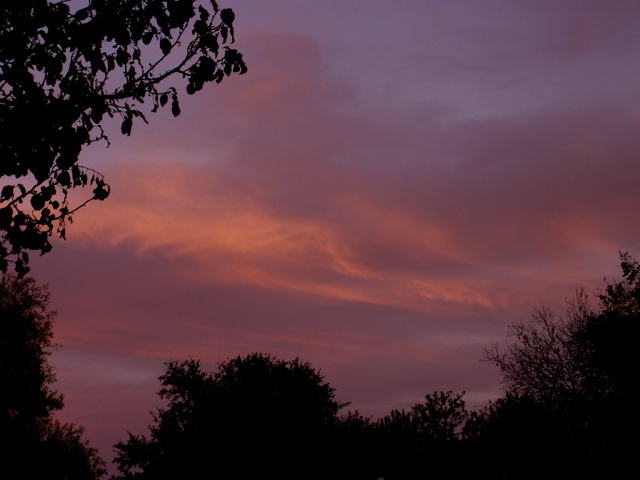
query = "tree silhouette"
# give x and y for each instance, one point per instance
(517, 437)
(570, 382)
(424, 441)
(583, 358)
(35, 445)
(62, 73)
(544, 358)
(611, 335)
(255, 417)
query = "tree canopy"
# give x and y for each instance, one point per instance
(35, 445)
(569, 403)
(584, 357)
(575, 375)
(63, 72)
(423, 441)
(262, 417)
(567, 411)
(256, 416)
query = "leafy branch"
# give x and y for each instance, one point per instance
(57, 85)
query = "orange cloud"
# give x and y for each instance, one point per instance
(231, 233)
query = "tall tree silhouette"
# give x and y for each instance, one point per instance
(34, 444)
(62, 73)
(576, 376)
(255, 417)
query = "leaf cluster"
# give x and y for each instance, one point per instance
(62, 72)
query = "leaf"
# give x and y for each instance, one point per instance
(165, 46)
(147, 37)
(48, 192)
(6, 218)
(227, 16)
(175, 107)
(199, 27)
(82, 14)
(7, 192)
(122, 57)
(76, 174)
(64, 179)
(164, 98)
(21, 268)
(97, 112)
(204, 13)
(37, 202)
(65, 161)
(100, 192)
(126, 126)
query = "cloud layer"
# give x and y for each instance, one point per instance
(381, 195)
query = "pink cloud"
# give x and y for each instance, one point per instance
(392, 208)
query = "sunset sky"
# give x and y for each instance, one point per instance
(388, 187)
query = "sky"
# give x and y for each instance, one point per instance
(388, 188)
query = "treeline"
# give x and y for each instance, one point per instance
(568, 410)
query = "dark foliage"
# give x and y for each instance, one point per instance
(255, 417)
(35, 445)
(354, 449)
(423, 442)
(62, 73)
(544, 358)
(24, 339)
(570, 388)
(611, 337)
(516, 437)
